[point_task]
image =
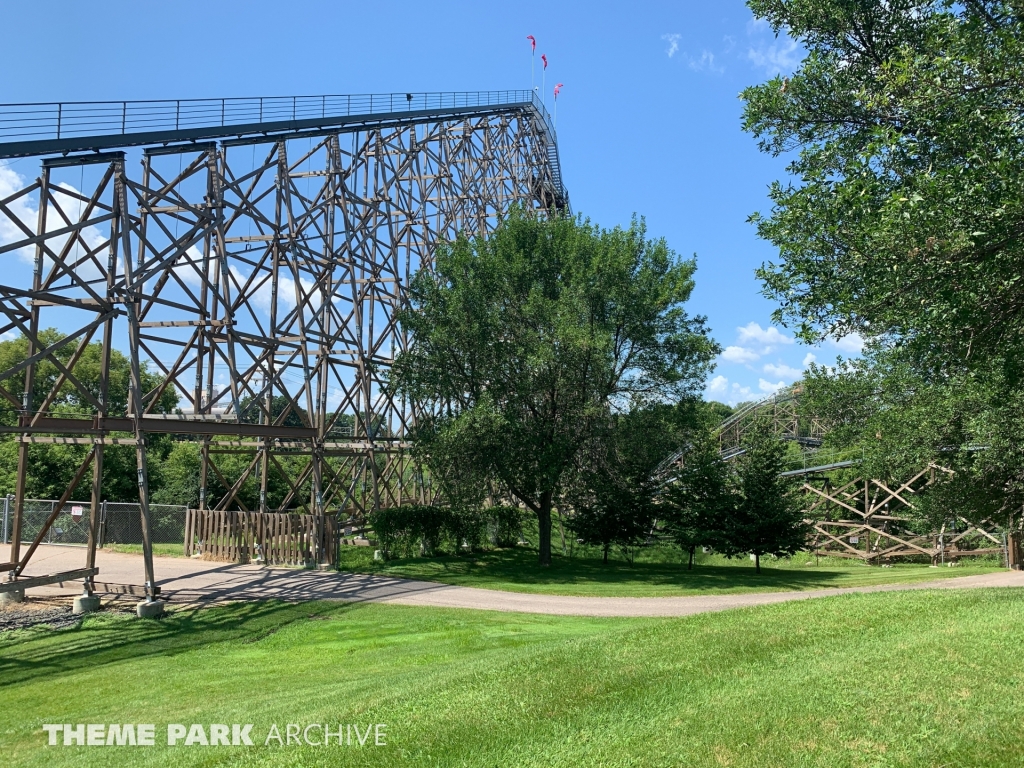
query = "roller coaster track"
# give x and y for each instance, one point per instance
(853, 515)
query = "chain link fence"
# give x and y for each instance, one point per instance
(120, 522)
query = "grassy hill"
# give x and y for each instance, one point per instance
(895, 679)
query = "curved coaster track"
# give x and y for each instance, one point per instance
(253, 254)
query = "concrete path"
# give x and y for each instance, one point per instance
(190, 582)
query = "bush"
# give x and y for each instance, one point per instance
(466, 527)
(415, 528)
(506, 524)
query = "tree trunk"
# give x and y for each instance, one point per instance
(757, 563)
(544, 527)
(605, 549)
(692, 549)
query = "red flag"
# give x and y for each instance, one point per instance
(557, 89)
(544, 58)
(533, 42)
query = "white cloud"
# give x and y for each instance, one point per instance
(23, 209)
(852, 344)
(739, 394)
(26, 210)
(11, 336)
(735, 354)
(776, 55)
(809, 358)
(769, 336)
(706, 62)
(721, 389)
(768, 387)
(673, 44)
(783, 371)
(718, 385)
(262, 293)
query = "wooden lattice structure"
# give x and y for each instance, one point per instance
(867, 519)
(272, 538)
(782, 408)
(256, 261)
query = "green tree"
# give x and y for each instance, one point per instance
(905, 219)
(767, 518)
(896, 421)
(702, 498)
(180, 473)
(612, 494)
(523, 343)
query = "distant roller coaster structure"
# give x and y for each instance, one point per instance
(257, 257)
(853, 515)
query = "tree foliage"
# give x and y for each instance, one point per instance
(768, 517)
(695, 508)
(905, 218)
(613, 493)
(883, 411)
(522, 345)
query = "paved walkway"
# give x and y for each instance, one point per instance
(189, 581)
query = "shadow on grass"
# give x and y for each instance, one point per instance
(519, 566)
(39, 653)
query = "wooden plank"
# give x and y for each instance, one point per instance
(122, 589)
(42, 581)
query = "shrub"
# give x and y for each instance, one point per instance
(415, 528)
(466, 526)
(506, 524)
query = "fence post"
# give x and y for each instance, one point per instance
(49, 531)
(7, 507)
(103, 525)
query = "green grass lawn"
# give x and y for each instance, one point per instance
(517, 570)
(161, 550)
(910, 679)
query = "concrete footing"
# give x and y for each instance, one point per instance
(86, 604)
(17, 596)
(150, 609)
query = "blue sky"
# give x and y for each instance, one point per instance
(648, 119)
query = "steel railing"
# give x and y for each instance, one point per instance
(41, 121)
(32, 125)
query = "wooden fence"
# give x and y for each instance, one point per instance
(279, 538)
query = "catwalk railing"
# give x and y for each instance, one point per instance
(69, 119)
(39, 128)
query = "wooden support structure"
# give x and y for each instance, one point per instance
(41, 581)
(257, 264)
(871, 520)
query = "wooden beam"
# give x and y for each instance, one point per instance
(42, 581)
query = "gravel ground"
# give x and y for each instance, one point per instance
(34, 612)
(54, 613)
(195, 582)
